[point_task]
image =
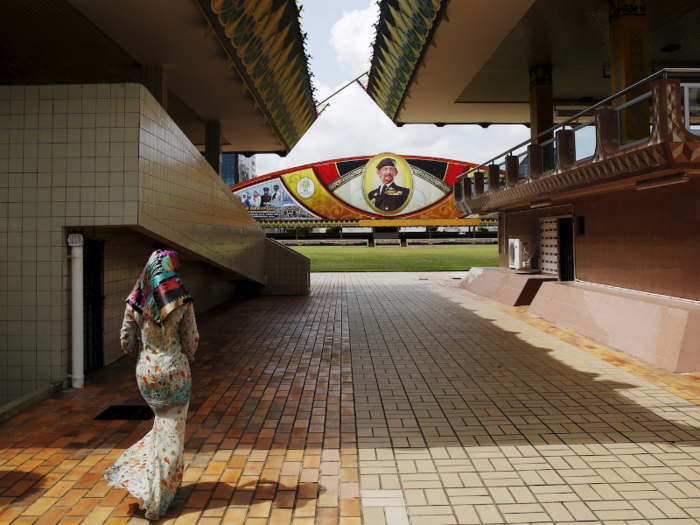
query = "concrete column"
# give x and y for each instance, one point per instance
(156, 81)
(478, 183)
(566, 154)
(541, 101)
(212, 144)
(534, 161)
(458, 196)
(607, 134)
(542, 108)
(75, 241)
(494, 178)
(512, 171)
(629, 63)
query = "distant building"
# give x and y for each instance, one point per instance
(246, 168)
(237, 168)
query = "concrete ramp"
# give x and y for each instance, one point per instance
(505, 286)
(659, 330)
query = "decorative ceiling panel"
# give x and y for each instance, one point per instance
(51, 42)
(266, 45)
(404, 29)
(573, 37)
(474, 67)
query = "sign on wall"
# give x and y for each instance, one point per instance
(384, 186)
(270, 200)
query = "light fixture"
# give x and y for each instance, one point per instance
(662, 181)
(670, 48)
(540, 204)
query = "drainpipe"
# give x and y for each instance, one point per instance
(75, 241)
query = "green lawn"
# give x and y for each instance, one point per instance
(384, 259)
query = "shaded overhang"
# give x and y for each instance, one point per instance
(474, 67)
(417, 79)
(240, 62)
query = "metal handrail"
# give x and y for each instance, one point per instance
(662, 72)
(633, 101)
(584, 125)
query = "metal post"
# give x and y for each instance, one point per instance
(75, 241)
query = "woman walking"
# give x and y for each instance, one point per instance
(160, 327)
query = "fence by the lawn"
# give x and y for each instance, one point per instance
(325, 242)
(387, 242)
(457, 241)
(461, 241)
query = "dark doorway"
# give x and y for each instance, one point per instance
(566, 249)
(93, 304)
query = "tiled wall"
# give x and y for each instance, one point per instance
(182, 199)
(100, 156)
(287, 271)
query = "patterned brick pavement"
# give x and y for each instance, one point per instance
(381, 398)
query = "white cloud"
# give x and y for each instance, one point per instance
(352, 36)
(355, 126)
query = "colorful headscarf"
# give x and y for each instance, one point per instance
(159, 288)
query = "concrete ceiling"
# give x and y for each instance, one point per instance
(452, 61)
(108, 41)
(476, 70)
(173, 34)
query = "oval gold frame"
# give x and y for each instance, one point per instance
(371, 171)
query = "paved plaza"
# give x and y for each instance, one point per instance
(384, 398)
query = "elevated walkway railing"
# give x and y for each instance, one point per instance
(672, 114)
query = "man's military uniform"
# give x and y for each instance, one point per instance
(389, 198)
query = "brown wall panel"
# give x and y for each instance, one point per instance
(642, 240)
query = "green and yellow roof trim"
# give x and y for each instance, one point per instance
(266, 44)
(404, 29)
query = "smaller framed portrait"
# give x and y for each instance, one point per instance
(387, 184)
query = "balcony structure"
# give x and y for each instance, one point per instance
(602, 205)
(670, 151)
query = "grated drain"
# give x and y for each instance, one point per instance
(126, 413)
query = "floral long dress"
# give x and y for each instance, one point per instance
(152, 469)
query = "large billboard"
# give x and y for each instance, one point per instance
(384, 186)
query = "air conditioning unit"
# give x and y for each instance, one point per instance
(519, 255)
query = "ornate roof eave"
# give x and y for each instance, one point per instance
(265, 43)
(404, 31)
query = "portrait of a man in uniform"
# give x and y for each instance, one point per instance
(389, 196)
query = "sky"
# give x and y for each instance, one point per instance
(340, 36)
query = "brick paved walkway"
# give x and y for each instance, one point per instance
(381, 398)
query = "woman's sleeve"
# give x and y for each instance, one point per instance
(129, 334)
(188, 332)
